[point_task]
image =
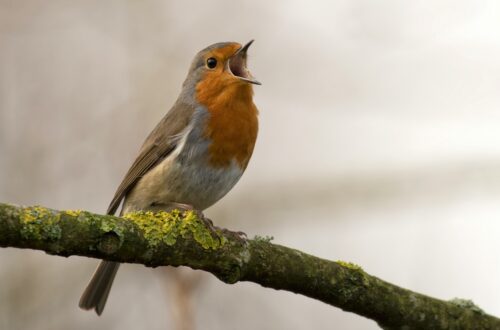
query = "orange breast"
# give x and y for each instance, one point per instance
(233, 125)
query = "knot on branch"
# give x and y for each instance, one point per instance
(109, 243)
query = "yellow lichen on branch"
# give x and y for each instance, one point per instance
(40, 223)
(167, 227)
(185, 238)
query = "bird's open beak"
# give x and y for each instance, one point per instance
(237, 65)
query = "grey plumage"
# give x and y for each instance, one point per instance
(97, 291)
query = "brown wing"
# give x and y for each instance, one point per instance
(158, 145)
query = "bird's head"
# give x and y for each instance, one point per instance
(221, 70)
(224, 61)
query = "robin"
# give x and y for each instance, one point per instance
(195, 154)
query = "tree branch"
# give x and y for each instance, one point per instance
(187, 239)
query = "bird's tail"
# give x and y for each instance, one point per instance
(97, 291)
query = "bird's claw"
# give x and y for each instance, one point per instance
(207, 222)
(237, 235)
(216, 230)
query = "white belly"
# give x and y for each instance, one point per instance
(192, 182)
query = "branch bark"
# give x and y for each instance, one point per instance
(176, 238)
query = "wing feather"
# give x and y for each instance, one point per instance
(158, 145)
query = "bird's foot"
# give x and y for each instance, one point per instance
(216, 230)
(209, 224)
(237, 235)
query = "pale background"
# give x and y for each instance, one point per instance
(379, 144)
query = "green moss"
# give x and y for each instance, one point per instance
(107, 225)
(355, 277)
(466, 303)
(167, 227)
(73, 213)
(40, 223)
(267, 239)
(349, 265)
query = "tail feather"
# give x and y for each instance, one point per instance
(97, 291)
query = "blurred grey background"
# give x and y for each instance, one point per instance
(379, 144)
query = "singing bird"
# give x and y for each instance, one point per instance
(195, 154)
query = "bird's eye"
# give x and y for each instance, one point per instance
(211, 63)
